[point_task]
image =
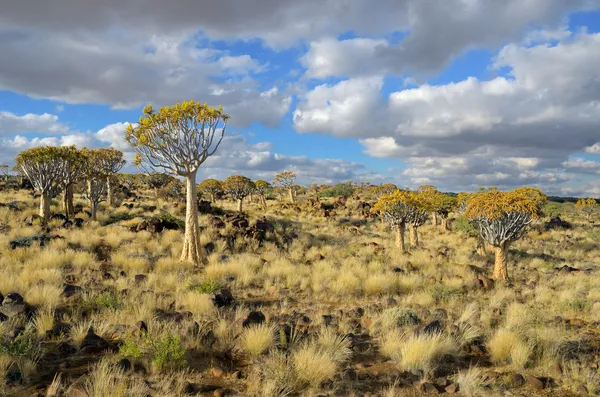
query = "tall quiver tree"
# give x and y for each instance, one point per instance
(111, 161)
(95, 179)
(75, 169)
(238, 187)
(261, 188)
(287, 180)
(179, 139)
(442, 205)
(4, 169)
(212, 187)
(45, 168)
(395, 211)
(586, 206)
(504, 217)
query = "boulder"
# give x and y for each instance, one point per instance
(254, 317)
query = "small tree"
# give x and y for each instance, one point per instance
(287, 180)
(75, 169)
(130, 180)
(111, 161)
(45, 167)
(238, 187)
(262, 188)
(212, 187)
(395, 211)
(587, 207)
(416, 214)
(428, 192)
(157, 181)
(179, 139)
(441, 204)
(4, 170)
(95, 179)
(502, 218)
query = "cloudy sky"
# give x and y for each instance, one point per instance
(456, 93)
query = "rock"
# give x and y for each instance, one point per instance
(440, 314)
(93, 343)
(485, 282)
(78, 222)
(254, 317)
(141, 327)
(223, 298)
(452, 388)
(140, 278)
(557, 223)
(33, 219)
(12, 298)
(124, 365)
(66, 349)
(3, 317)
(217, 372)
(69, 290)
(350, 374)
(434, 327)
(442, 382)
(155, 225)
(427, 387)
(60, 217)
(533, 382)
(23, 242)
(567, 269)
(517, 380)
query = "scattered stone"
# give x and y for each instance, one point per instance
(217, 372)
(223, 298)
(140, 278)
(93, 343)
(557, 223)
(427, 387)
(124, 365)
(13, 305)
(254, 317)
(452, 388)
(533, 382)
(69, 290)
(517, 380)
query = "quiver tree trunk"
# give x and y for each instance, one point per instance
(444, 223)
(480, 246)
(501, 264)
(68, 201)
(109, 192)
(263, 201)
(45, 207)
(434, 220)
(240, 205)
(94, 209)
(400, 238)
(414, 236)
(292, 198)
(212, 198)
(191, 240)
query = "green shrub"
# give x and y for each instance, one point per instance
(21, 346)
(168, 351)
(208, 287)
(344, 190)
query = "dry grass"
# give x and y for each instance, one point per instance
(257, 339)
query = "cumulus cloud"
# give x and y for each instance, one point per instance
(11, 124)
(519, 128)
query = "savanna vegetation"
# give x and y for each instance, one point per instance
(161, 284)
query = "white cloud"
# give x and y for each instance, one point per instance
(11, 124)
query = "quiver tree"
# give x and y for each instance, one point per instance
(130, 181)
(416, 215)
(75, 169)
(384, 189)
(394, 210)
(111, 161)
(466, 225)
(586, 207)
(261, 188)
(286, 180)
(238, 187)
(428, 191)
(440, 204)
(502, 218)
(211, 187)
(157, 181)
(45, 167)
(4, 169)
(95, 178)
(179, 139)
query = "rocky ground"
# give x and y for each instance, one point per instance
(309, 299)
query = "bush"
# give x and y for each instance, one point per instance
(168, 351)
(344, 190)
(208, 287)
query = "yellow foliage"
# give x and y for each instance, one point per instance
(495, 204)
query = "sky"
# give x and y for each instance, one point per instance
(455, 93)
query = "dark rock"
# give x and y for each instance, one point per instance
(567, 269)
(557, 223)
(427, 387)
(124, 365)
(66, 349)
(12, 298)
(254, 317)
(517, 380)
(93, 343)
(60, 217)
(142, 327)
(223, 298)
(434, 327)
(239, 222)
(78, 222)
(42, 239)
(452, 388)
(70, 290)
(485, 282)
(140, 278)
(3, 317)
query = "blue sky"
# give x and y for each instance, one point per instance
(466, 94)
